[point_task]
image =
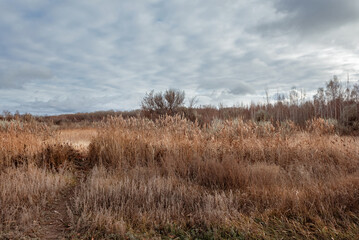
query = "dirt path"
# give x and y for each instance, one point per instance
(55, 223)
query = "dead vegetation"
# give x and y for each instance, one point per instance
(151, 176)
(24, 194)
(173, 178)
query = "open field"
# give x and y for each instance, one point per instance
(170, 178)
(79, 139)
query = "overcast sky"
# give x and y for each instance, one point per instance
(79, 56)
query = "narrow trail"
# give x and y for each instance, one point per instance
(55, 223)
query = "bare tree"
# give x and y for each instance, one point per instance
(334, 95)
(319, 102)
(193, 102)
(152, 103)
(173, 100)
(293, 96)
(160, 103)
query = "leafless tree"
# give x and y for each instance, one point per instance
(163, 103)
(193, 102)
(319, 102)
(334, 96)
(173, 100)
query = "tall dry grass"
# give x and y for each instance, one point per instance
(174, 178)
(256, 178)
(20, 140)
(30, 176)
(25, 193)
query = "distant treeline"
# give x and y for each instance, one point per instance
(65, 119)
(336, 102)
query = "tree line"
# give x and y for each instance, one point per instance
(336, 101)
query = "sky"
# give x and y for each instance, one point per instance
(89, 55)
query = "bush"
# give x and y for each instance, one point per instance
(156, 104)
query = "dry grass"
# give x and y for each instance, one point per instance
(231, 174)
(24, 194)
(172, 178)
(28, 180)
(19, 141)
(79, 139)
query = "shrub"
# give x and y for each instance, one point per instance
(231, 173)
(169, 102)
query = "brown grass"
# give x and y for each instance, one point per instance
(21, 140)
(174, 178)
(79, 139)
(24, 194)
(172, 172)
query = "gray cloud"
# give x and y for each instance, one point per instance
(67, 56)
(312, 16)
(241, 89)
(67, 105)
(17, 77)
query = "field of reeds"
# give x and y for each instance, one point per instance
(175, 179)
